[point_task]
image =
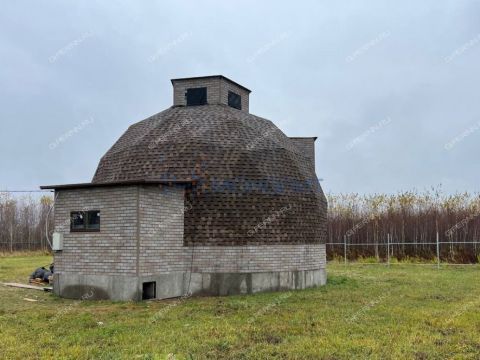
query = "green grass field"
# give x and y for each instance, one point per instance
(365, 312)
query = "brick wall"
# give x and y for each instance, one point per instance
(217, 90)
(307, 146)
(261, 258)
(161, 230)
(113, 250)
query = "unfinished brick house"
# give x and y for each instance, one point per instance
(202, 198)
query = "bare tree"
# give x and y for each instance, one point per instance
(23, 222)
(411, 219)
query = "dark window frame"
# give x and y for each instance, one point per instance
(86, 215)
(234, 100)
(196, 96)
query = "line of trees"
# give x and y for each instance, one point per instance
(402, 219)
(409, 220)
(23, 222)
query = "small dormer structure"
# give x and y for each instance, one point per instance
(210, 90)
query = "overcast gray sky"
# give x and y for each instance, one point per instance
(389, 87)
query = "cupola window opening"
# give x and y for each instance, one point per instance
(196, 96)
(234, 100)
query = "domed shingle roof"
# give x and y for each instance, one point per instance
(254, 186)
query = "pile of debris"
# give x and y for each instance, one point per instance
(42, 276)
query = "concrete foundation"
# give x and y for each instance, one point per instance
(176, 284)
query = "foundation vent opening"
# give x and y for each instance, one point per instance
(149, 290)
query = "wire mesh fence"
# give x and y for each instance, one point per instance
(24, 246)
(389, 252)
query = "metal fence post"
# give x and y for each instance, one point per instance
(345, 248)
(438, 251)
(388, 249)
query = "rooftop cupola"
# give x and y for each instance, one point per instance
(208, 90)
